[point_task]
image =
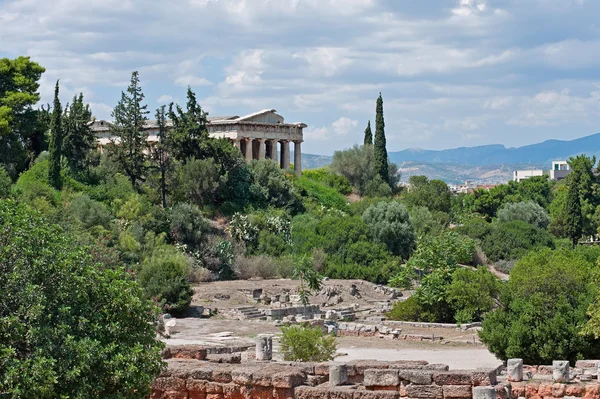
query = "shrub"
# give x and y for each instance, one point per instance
(307, 344)
(473, 293)
(408, 310)
(87, 213)
(323, 175)
(432, 194)
(389, 223)
(69, 327)
(246, 267)
(188, 226)
(5, 183)
(164, 279)
(272, 188)
(426, 222)
(477, 229)
(544, 309)
(529, 212)
(200, 181)
(512, 240)
(321, 194)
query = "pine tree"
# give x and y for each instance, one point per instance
(56, 139)
(574, 221)
(381, 156)
(160, 153)
(189, 131)
(368, 135)
(79, 139)
(129, 142)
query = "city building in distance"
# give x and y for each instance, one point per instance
(560, 170)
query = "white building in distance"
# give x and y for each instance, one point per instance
(256, 135)
(560, 170)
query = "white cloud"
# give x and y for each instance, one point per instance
(192, 80)
(164, 99)
(344, 125)
(317, 134)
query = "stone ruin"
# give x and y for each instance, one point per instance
(194, 372)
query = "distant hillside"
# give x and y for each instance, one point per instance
(311, 161)
(541, 153)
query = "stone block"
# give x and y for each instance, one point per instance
(453, 378)
(341, 393)
(503, 391)
(311, 393)
(484, 392)
(424, 391)
(544, 390)
(361, 365)
(457, 391)
(314, 380)
(223, 376)
(484, 377)
(241, 376)
(196, 352)
(518, 390)
(262, 378)
(288, 379)
(592, 392)
(418, 377)
(559, 390)
(376, 395)
(575, 390)
(233, 391)
(560, 370)
(514, 369)
(214, 396)
(436, 367)
(381, 378)
(586, 364)
(168, 384)
(531, 390)
(338, 374)
(264, 347)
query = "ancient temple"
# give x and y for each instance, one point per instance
(260, 135)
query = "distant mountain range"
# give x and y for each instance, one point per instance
(482, 164)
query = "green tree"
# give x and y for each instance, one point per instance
(310, 280)
(69, 327)
(529, 212)
(473, 293)
(5, 183)
(189, 134)
(56, 142)
(160, 153)
(432, 194)
(512, 240)
(307, 344)
(201, 181)
(390, 224)
(79, 139)
(368, 135)
(573, 222)
(128, 147)
(272, 188)
(22, 129)
(381, 156)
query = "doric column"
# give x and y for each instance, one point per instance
(261, 149)
(285, 154)
(248, 153)
(298, 157)
(236, 143)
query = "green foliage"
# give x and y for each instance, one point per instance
(357, 164)
(426, 222)
(307, 344)
(164, 279)
(389, 223)
(379, 145)
(79, 140)
(512, 240)
(432, 194)
(407, 310)
(368, 140)
(188, 226)
(5, 183)
(70, 328)
(475, 228)
(86, 213)
(200, 181)
(544, 310)
(473, 293)
(310, 279)
(22, 129)
(189, 135)
(33, 187)
(325, 176)
(321, 194)
(272, 188)
(529, 212)
(56, 143)
(160, 153)
(443, 252)
(573, 219)
(128, 147)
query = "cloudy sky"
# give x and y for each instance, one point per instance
(452, 72)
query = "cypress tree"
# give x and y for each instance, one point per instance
(574, 220)
(79, 138)
(129, 143)
(368, 135)
(56, 139)
(381, 156)
(159, 152)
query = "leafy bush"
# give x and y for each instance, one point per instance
(529, 212)
(432, 194)
(188, 226)
(5, 183)
(426, 222)
(512, 240)
(307, 344)
(444, 252)
(262, 266)
(272, 188)
(323, 175)
(477, 229)
(87, 213)
(544, 309)
(321, 194)
(200, 182)
(69, 327)
(473, 293)
(389, 223)
(408, 310)
(164, 279)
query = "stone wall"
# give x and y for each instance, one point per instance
(195, 379)
(381, 331)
